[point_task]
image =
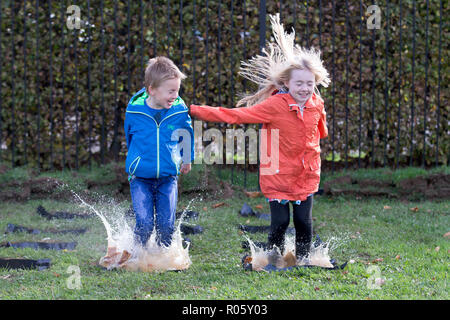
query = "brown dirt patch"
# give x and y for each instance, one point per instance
(432, 187)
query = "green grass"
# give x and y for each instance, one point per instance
(359, 230)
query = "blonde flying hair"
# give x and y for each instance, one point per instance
(160, 69)
(271, 70)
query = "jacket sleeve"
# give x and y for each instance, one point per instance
(259, 113)
(187, 124)
(323, 124)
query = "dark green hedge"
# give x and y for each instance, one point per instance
(208, 44)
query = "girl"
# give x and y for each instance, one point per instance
(288, 101)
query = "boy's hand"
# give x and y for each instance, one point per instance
(185, 168)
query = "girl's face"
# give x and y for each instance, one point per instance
(301, 85)
(163, 96)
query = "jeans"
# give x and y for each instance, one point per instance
(302, 221)
(154, 204)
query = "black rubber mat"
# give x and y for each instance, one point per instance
(40, 245)
(60, 214)
(257, 229)
(271, 268)
(187, 215)
(12, 228)
(17, 263)
(186, 229)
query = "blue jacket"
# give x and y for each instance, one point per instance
(156, 150)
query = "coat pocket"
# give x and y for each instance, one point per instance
(311, 177)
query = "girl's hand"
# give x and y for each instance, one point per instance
(185, 168)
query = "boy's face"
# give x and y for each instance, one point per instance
(301, 85)
(163, 96)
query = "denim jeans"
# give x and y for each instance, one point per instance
(154, 204)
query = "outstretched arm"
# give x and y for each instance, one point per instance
(259, 113)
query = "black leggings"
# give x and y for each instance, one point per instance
(302, 221)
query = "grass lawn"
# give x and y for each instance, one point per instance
(400, 242)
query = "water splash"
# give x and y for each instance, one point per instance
(318, 256)
(125, 253)
(101, 216)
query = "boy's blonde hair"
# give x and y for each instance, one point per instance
(160, 69)
(271, 70)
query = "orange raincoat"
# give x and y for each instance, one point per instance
(300, 131)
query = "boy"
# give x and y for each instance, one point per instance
(157, 123)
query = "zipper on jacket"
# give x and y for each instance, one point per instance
(157, 150)
(157, 126)
(157, 136)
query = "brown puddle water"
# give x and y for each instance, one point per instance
(123, 253)
(150, 258)
(260, 257)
